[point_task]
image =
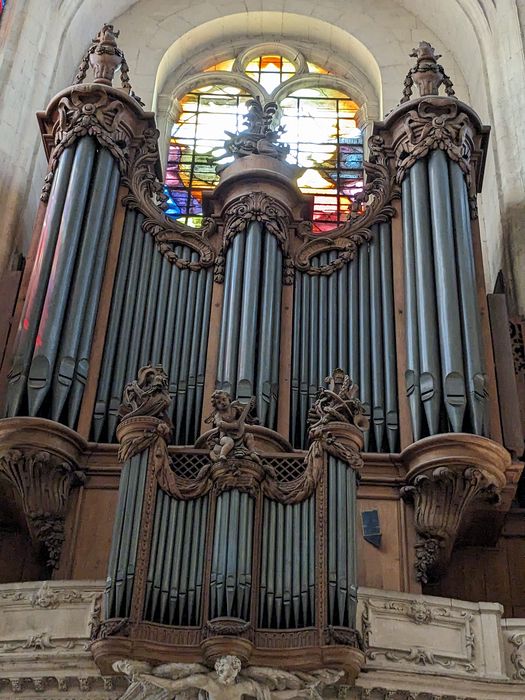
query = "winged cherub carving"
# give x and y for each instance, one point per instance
(229, 681)
(230, 418)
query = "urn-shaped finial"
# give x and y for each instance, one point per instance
(104, 55)
(427, 74)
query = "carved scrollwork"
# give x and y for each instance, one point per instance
(256, 206)
(372, 206)
(43, 482)
(440, 497)
(435, 123)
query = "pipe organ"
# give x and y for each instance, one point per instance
(217, 366)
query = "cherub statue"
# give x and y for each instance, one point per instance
(230, 419)
(228, 682)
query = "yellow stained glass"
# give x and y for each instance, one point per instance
(314, 68)
(223, 65)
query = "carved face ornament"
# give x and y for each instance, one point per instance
(227, 669)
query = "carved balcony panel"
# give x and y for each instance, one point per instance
(42, 462)
(446, 474)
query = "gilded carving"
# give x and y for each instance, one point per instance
(43, 481)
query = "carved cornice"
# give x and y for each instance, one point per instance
(40, 459)
(446, 474)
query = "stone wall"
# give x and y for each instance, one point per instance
(417, 647)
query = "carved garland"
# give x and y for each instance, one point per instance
(255, 206)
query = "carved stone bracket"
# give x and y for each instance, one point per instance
(40, 459)
(446, 474)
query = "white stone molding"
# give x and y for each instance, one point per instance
(44, 642)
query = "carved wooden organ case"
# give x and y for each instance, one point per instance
(235, 529)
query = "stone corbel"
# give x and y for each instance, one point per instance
(446, 474)
(41, 460)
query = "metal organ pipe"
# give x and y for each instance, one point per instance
(430, 389)
(440, 283)
(412, 379)
(37, 287)
(447, 300)
(59, 285)
(346, 320)
(470, 319)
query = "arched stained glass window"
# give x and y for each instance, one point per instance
(320, 127)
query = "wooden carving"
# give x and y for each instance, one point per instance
(260, 136)
(427, 74)
(230, 438)
(447, 473)
(143, 413)
(43, 481)
(372, 206)
(336, 422)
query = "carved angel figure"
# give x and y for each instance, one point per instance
(228, 682)
(230, 419)
(148, 395)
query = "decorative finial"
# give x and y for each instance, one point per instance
(104, 57)
(261, 135)
(427, 74)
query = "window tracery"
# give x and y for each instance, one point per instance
(320, 127)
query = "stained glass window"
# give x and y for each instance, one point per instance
(321, 130)
(270, 71)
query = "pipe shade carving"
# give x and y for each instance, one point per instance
(41, 461)
(446, 474)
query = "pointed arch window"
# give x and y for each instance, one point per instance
(318, 115)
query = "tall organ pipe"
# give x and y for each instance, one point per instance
(88, 326)
(389, 337)
(37, 287)
(470, 320)
(430, 389)
(365, 392)
(248, 317)
(123, 554)
(117, 304)
(58, 289)
(342, 554)
(229, 346)
(230, 587)
(376, 340)
(83, 301)
(447, 299)
(412, 379)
